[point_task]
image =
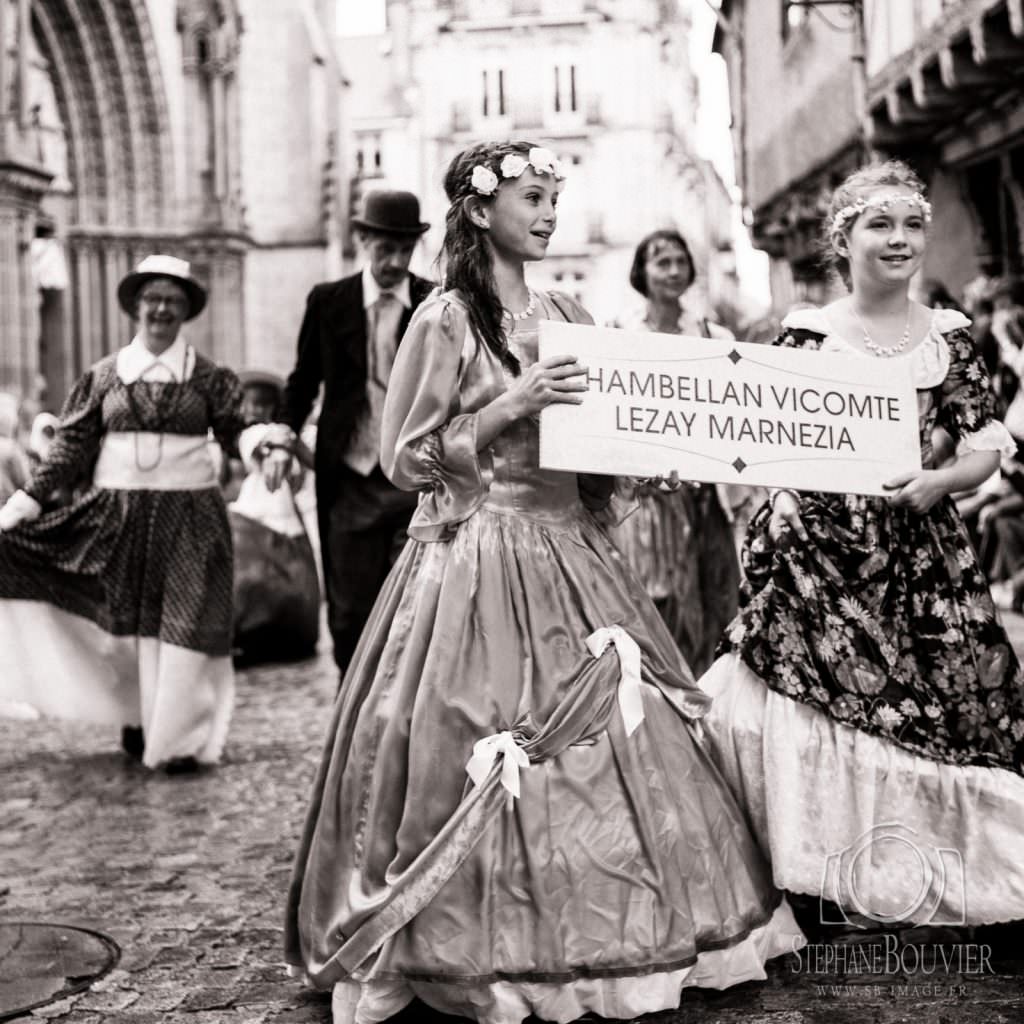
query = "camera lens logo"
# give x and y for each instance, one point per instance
(888, 875)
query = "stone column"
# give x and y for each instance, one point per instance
(21, 188)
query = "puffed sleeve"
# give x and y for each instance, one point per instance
(967, 403)
(428, 443)
(226, 408)
(77, 442)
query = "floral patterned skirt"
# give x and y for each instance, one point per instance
(884, 622)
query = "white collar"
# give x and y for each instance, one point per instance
(135, 359)
(372, 290)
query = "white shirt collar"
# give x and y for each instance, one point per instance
(135, 360)
(372, 290)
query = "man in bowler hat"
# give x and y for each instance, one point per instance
(347, 342)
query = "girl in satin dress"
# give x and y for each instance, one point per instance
(515, 813)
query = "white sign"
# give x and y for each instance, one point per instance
(731, 412)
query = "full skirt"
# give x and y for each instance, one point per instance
(621, 871)
(116, 609)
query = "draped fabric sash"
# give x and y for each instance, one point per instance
(587, 711)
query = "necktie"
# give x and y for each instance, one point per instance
(387, 311)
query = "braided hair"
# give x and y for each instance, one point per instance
(468, 266)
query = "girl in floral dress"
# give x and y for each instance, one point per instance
(869, 710)
(514, 814)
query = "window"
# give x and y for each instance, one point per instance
(369, 161)
(793, 18)
(494, 93)
(566, 96)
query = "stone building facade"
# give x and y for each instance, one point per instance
(935, 82)
(210, 129)
(608, 85)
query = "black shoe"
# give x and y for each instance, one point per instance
(133, 742)
(181, 766)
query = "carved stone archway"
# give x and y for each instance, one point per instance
(127, 186)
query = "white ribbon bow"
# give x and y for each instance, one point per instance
(631, 703)
(513, 758)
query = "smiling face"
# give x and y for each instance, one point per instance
(667, 270)
(521, 219)
(885, 245)
(163, 306)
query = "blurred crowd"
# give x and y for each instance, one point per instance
(994, 512)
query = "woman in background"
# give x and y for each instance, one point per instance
(680, 541)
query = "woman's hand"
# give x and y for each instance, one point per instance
(917, 491)
(785, 516)
(557, 379)
(19, 508)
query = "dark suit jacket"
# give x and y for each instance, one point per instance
(332, 350)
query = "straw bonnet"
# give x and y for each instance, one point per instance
(179, 271)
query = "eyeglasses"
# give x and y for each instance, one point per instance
(157, 299)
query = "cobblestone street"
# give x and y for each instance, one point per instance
(187, 876)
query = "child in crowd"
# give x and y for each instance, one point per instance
(869, 708)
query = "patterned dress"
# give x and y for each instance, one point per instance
(681, 544)
(506, 820)
(867, 684)
(117, 607)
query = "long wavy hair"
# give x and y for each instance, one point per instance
(465, 257)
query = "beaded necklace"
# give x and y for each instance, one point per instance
(523, 314)
(165, 410)
(884, 351)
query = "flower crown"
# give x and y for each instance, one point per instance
(881, 203)
(485, 182)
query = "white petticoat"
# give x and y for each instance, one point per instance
(64, 666)
(508, 1002)
(863, 822)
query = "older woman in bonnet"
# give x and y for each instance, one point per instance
(116, 608)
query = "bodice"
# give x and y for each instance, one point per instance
(518, 484)
(929, 361)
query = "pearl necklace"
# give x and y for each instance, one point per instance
(524, 314)
(885, 351)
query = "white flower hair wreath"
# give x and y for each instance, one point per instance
(881, 203)
(485, 182)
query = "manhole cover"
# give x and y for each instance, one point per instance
(41, 963)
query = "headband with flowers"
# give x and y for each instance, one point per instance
(485, 182)
(881, 203)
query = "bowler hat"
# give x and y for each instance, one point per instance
(170, 267)
(393, 213)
